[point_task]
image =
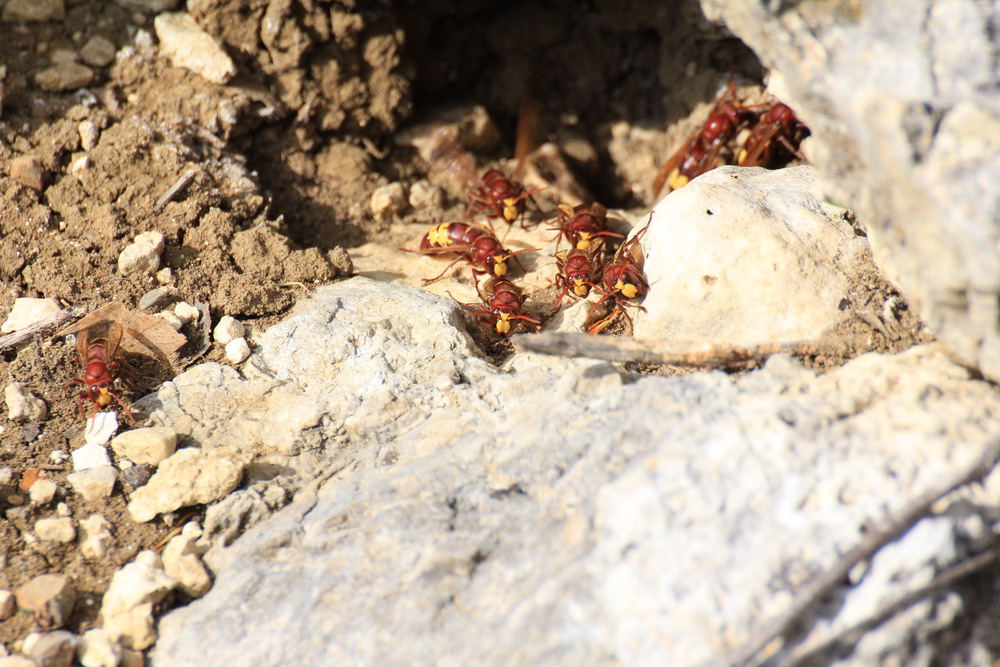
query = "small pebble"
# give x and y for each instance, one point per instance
(98, 648)
(7, 604)
(165, 276)
(26, 312)
(142, 255)
(64, 76)
(91, 455)
(388, 200)
(157, 298)
(22, 405)
(57, 529)
(89, 134)
(137, 475)
(95, 536)
(42, 492)
(63, 56)
(62, 509)
(182, 561)
(28, 171)
(425, 195)
(81, 163)
(98, 52)
(150, 444)
(185, 44)
(34, 10)
(228, 329)
(94, 483)
(50, 596)
(186, 312)
(237, 350)
(58, 456)
(50, 648)
(100, 427)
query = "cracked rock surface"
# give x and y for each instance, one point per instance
(446, 511)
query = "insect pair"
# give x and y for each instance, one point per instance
(772, 142)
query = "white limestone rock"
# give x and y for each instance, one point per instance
(94, 483)
(237, 350)
(56, 529)
(95, 536)
(90, 455)
(228, 329)
(100, 427)
(747, 256)
(190, 476)
(42, 492)
(98, 648)
(182, 561)
(127, 607)
(150, 444)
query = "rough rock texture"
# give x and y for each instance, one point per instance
(749, 256)
(904, 104)
(445, 517)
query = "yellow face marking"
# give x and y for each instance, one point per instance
(503, 325)
(104, 399)
(500, 266)
(584, 242)
(677, 180)
(628, 290)
(439, 235)
(510, 209)
(742, 156)
(579, 288)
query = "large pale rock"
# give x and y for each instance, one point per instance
(903, 100)
(186, 45)
(748, 256)
(555, 510)
(189, 477)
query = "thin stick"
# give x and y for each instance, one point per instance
(176, 188)
(890, 529)
(17, 337)
(851, 635)
(691, 354)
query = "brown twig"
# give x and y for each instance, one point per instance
(690, 354)
(176, 188)
(16, 338)
(806, 654)
(887, 531)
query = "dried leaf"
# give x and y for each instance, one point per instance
(144, 334)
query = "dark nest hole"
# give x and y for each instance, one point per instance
(584, 65)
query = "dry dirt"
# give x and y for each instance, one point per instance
(287, 156)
